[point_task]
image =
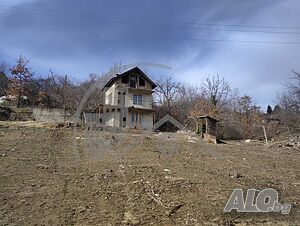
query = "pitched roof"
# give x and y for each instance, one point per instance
(207, 116)
(168, 118)
(135, 69)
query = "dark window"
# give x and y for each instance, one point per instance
(125, 79)
(100, 120)
(124, 93)
(113, 110)
(119, 93)
(118, 110)
(141, 82)
(133, 81)
(107, 110)
(119, 101)
(124, 119)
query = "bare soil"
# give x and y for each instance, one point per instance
(51, 176)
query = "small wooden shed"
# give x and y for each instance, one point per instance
(206, 127)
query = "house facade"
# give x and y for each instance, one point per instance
(128, 101)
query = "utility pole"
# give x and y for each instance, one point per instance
(265, 134)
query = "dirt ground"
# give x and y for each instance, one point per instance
(51, 176)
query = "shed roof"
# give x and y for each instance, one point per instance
(207, 116)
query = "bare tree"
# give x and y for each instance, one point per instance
(293, 89)
(187, 92)
(289, 103)
(166, 92)
(187, 95)
(289, 100)
(218, 91)
(96, 97)
(286, 101)
(216, 96)
(242, 119)
(62, 91)
(4, 68)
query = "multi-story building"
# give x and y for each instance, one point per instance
(128, 101)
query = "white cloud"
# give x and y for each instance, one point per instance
(258, 70)
(15, 2)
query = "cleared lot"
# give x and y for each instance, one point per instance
(53, 176)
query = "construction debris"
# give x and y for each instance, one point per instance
(42, 166)
(175, 209)
(287, 141)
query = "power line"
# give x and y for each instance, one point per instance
(139, 19)
(159, 23)
(114, 35)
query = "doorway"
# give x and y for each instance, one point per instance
(136, 120)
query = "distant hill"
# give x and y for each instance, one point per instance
(3, 83)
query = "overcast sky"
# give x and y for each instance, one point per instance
(196, 38)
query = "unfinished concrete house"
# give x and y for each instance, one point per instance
(127, 101)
